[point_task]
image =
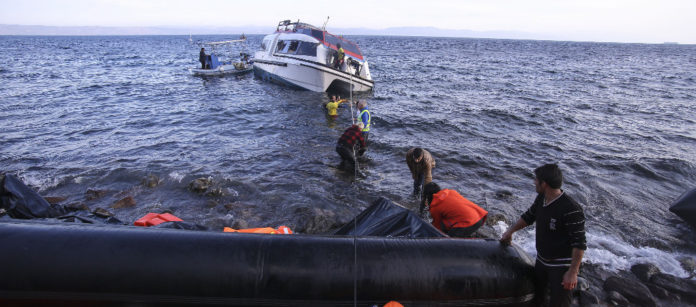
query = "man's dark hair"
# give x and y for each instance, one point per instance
(430, 189)
(417, 153)
(551, 174)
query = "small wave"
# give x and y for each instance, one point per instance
(39, 181)
(609, 252)
(176, 176)
(382, 98)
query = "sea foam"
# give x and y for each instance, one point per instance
(608, 252)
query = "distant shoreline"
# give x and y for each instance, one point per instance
(41, 30)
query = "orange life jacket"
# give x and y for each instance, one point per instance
(280, 230)
(152, 219)
(450, 209)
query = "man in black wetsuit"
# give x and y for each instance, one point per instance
(560, 236)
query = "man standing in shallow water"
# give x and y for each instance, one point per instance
(560, 237)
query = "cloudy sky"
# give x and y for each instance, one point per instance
(654, 21)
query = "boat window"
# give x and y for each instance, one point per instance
(263, 45)
(281, 46)
(293, 46)
(307, 48)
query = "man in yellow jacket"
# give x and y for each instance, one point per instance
(332, 106)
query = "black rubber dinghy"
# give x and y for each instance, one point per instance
(685, 207)
(386, 253)
(105, 264)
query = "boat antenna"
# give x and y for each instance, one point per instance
(323, 28)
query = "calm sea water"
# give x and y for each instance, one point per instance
(103, 113)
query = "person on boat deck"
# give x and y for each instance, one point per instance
(421, 164)
(332, 106)
(201, 58)
(340, 57)
(560, 237)
(364, 117)
(350, 145)
(452, 213)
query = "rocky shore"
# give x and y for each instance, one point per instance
(643, 285)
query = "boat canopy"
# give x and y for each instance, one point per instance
(327, 39)
(299, 37)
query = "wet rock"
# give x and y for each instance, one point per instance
(240, 224)
(493, 219)
(95, 194)
(689, 265)
(54, 200)
(673, 297)
(211, 204)
(587, 298)
(583, 284)
(616, 299)
(502, 194)
(77, 207)
(659, 244)
(3, 211)
(658, 291)
(215, 192)
(126, 202)
(316, 220)
(632, 290)
(644, 271)
(686, 288)
(100, 212)
(200, 185)
(485, 232)
(151, 181)
(228, 219)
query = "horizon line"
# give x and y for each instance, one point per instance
(429, 31)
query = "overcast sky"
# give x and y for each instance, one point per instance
(653, 21)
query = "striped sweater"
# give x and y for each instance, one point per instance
(560, 228)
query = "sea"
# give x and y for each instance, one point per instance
(80, 114)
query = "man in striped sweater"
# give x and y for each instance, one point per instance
(560, 236)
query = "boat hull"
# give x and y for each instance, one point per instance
(309, 75)
(220, 71)
(59, 263)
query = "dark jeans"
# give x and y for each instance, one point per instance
(418, 184)
(466, 232)
(346, 154)
(551, 278)
(202, 65)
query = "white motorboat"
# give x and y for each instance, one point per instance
(304, 56)
(216, 66)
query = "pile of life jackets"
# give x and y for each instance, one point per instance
(152, 219)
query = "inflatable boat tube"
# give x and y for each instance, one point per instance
(685, 207)
(79, 264)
